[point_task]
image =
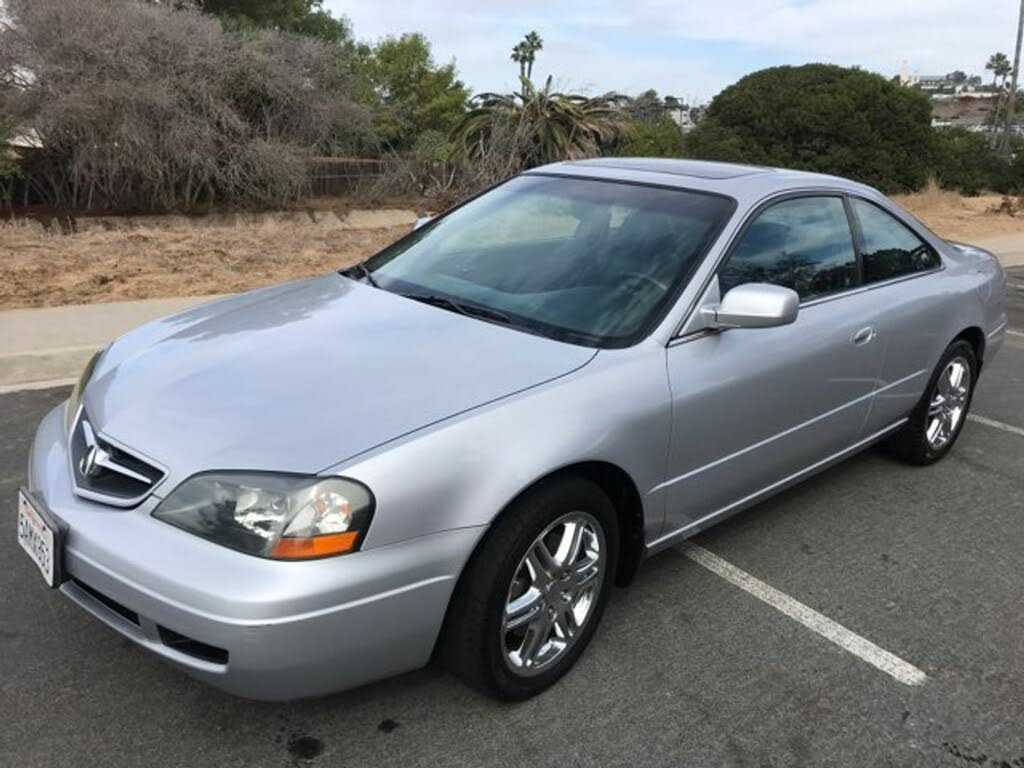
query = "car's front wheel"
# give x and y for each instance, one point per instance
(936, 422)
(531, 596)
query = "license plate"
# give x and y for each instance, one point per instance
(40, 536)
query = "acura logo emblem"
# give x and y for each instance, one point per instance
(96, 459)
(92, 463)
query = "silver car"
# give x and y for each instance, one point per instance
(457, 448)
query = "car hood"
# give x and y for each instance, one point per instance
(302, 376)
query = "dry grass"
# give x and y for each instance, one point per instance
(175, 256)
(956, 217)
(115, 258)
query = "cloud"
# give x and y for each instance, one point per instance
(692, 47)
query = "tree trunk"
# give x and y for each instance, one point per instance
(1011, 97)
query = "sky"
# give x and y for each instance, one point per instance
(690, 48)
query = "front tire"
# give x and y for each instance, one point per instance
(936, 422)
(530, 598)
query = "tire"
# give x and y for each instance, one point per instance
(499, 661)
(914, 443)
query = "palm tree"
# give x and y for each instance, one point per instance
(1011, 97)
(999, 65)
(549, 126)
(524, 53)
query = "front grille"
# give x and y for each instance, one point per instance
(108, 473)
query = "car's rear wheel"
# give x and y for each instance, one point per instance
(533, 593)
(937, 420)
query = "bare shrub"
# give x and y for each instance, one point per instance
(143, 106)
(1009, 205)
(503, 152)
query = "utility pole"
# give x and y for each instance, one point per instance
(1012, 96)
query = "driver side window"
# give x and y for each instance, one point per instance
(804, 243)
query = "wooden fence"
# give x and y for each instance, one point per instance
(341, 175)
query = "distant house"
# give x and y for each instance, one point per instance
(949, 84)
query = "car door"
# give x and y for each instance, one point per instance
(900, 272)
(753, 407)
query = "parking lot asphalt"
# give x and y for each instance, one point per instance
(686, 670)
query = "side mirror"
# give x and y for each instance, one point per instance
(421, 221)
(754, 305)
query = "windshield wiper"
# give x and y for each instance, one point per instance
(363, 271)
(470, 310)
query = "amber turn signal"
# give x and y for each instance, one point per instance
(301, 548)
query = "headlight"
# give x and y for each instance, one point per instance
(75, 399)
(284, 517)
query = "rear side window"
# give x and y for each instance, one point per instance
(803, 243)
(889, 248)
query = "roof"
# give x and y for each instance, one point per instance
(701, 169)
(732, 179)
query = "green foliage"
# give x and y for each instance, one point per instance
(822, 118)
(524, 53)
(546, 126)
(408, 92)
(304, 17)
(965, 161)
(999, 65)
(654, 138)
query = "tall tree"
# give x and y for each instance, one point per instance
(1011, 97)
(524, 53)
(411, 94)
(999, 65)
(820, 117)
(306, 17)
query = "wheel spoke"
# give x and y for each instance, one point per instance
(574, 534)
(536, 635)
(944, 383)
(956, 376)
(585, 573)
(542, 565)
(566, 623)
(523, 609)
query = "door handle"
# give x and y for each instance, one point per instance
(864, 335)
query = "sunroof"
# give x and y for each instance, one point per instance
(697, 168)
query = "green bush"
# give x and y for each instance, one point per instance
(964, 161)
(659, 138)
(823, 118)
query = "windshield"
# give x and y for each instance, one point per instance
(586, 261)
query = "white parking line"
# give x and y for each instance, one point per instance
(996, 424)
(1014, 333)
(860, 647)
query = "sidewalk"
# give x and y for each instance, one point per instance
(49, 347)
(1009, 248)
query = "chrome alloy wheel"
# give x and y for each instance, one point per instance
(948, 404)
(553, 593)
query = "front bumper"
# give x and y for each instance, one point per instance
(255, 628)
